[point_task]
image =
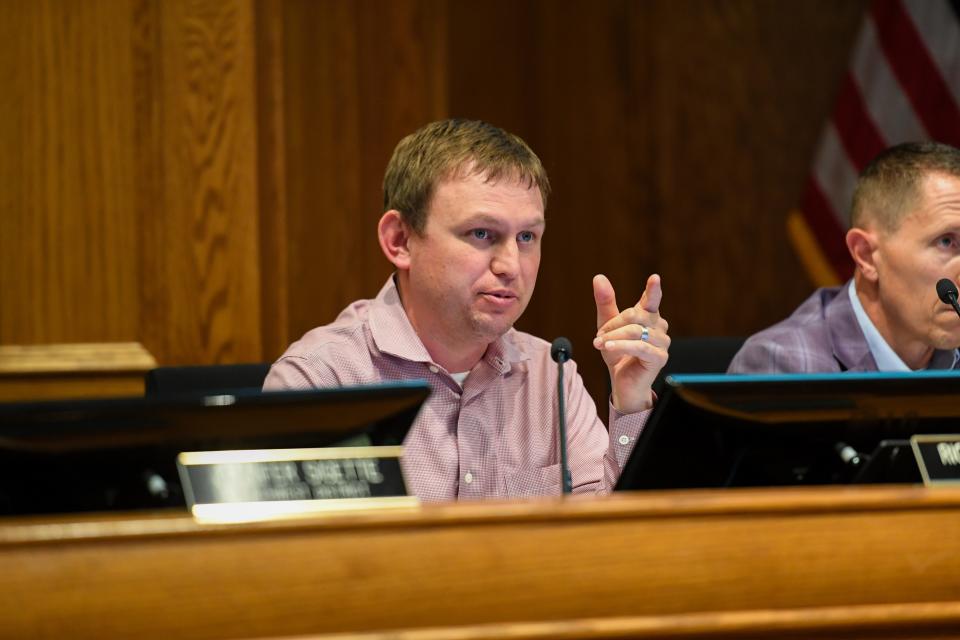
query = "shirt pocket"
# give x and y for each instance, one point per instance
(533, 481)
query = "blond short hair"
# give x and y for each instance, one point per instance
(890, 185)
(448, 148)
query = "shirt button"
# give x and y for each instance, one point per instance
(624, 440)
(468, 477)
(434, 369)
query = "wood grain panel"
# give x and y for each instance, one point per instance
(325, 214)
(601, 169)
(129, 177)
(200, 244)
(891, 622)
(272, 166)
(357, 78)
(762, 560)
(52, 371)
(74, 358)
(676, 135)
(741, 101)
(66, 198)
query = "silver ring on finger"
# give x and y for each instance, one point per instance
(644, 334)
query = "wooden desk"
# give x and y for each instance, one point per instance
(830, 562)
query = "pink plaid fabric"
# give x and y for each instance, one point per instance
(496, 436)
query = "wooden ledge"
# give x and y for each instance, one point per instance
(59, 371)
(635, 506)
(909, 620)
(18, 360)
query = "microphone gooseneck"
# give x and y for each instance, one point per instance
(947, 292)
(561, 350)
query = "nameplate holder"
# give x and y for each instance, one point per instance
(272, 484)
(938, 457)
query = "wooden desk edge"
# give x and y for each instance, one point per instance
(634, 506)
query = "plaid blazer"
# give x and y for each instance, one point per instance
(821, 336)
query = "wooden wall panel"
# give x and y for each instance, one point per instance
(272, 172)
(129, 176)
(200, 244)
(677, 136)
(357, 77)
(601, 168)
(742, 103)
(67, 231)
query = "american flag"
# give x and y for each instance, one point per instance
(903, 84)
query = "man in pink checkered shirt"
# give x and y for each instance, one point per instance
(463, 227)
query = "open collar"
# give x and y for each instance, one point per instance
(394, 335)
(850, 346)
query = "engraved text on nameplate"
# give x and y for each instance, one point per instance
(938, 457)
(354, 475)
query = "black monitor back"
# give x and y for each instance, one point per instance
(106, 454)
(723, 431)
(698, 354)
(205, 378)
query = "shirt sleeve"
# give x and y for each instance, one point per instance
(625, 428)
(597, 456)
(292, 373)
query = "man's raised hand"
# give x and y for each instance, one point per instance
(633, 342)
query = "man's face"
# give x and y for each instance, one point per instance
(473, 269)
(910, 261)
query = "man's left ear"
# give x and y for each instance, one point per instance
(394, 236)
(862, 245)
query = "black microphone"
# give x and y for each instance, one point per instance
(948, 293)
(561, 350)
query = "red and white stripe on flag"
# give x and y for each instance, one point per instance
(903, 84)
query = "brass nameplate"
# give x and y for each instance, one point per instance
(938, 457)
(267, 484)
